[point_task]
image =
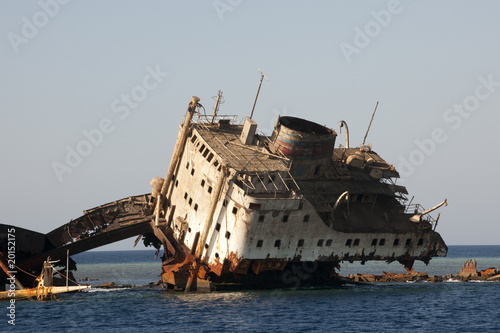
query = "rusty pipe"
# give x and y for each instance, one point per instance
(346, 195)
(418, 217)
(342, 124)
(211, 212)
(179, 146)
(206, 227)
(445, 203)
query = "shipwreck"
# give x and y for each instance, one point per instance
(241, 209)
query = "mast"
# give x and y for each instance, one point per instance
(219, 101)
(373, 115)
(262, 76)
(179, 146)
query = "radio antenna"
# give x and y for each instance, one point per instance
(218, 101)
(373, 115)
(262, 76)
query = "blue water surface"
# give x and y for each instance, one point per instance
(382, 307)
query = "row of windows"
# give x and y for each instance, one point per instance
(205, 151)
(209, 188)
(277, 243)
(217, 228)
(381, 242)
(349, 242)
(190, 201)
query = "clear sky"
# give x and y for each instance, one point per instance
(109, 81)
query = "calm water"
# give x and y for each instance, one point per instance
(415, 307)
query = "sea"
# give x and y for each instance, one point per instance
(449, 306)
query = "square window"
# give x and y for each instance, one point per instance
(260, 242)
(306, 218)
(235, 210)
(209, 158)
(202, 148)
(210, 189)
(228, 234)
(420, 242)
(408, 242)
(348, 242)
(185, 195)
(285, 218)
(192, 172)
(329, 242)
(261, 218)
(190, 201)
(202, 182)
(277, 243)
(255, 206)
(374, 242)
(217, 227)
(195, 206)
(320, 242)
(301, 242)
(356, 242)
(396, 242)
(381, 242)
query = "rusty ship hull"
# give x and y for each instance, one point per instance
(240, 209)
(262, 211)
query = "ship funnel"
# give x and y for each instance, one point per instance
(309, 145)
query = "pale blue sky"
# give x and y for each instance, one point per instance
(69, 73)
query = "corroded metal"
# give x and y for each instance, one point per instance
(97, 227)
(293, 207)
